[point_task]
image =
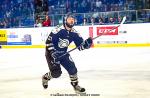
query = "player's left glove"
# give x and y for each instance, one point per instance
(87, 43)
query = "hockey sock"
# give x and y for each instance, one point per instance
(74, 83)
(47, 76)
(45, 80)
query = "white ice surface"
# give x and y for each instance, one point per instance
(110, 72)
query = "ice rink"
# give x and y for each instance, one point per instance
(107, 72)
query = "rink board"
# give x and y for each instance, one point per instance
(73, 46)
(128, 35)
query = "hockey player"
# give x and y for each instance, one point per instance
(56, 45)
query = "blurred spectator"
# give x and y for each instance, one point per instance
(1, 24)
(98, 4)
(101, 21)
(79, 19)
(92, 21)
(74, 6)
(93, 6)
(83, 6)
(14, 12)
(106, 20)
(131, 4)
(119, 20)
(46, 22)
(85, 22)
(111, 20)
(38, 22)
(45, 6)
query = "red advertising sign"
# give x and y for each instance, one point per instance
(91, 33)
(106, 30)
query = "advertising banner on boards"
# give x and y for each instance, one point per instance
(3, 37)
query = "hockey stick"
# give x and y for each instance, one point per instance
(122, 22)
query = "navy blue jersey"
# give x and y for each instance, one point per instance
(59, 39)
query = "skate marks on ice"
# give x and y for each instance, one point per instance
(32, 88)
(119, 84)
(20, 74)
(108, 84)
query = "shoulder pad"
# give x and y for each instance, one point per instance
(57, 29)
(79, 34)
(73, 30)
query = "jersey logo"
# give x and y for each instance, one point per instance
(63, 43)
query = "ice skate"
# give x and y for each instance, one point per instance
(45, 79)
(79, 90)
(44, 82)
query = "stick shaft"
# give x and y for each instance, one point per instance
(106, 32)
(124, 18)
(92, 39)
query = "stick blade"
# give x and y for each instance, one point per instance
(123, 20)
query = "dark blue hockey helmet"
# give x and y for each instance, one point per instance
(70, 25)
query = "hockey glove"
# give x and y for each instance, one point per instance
(56, 56)
(87, 43)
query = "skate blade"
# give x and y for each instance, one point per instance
(77, 92)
